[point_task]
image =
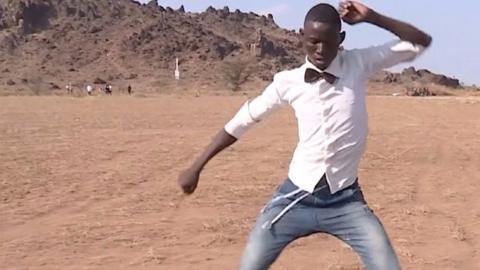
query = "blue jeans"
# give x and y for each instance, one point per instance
(344, 214)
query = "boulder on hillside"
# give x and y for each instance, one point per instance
(152, 4)
(99, 81)
(211, 9)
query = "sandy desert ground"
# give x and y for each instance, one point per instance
(90, 183)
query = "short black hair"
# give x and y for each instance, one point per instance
(324, 13)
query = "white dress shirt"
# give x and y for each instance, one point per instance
(332, 119)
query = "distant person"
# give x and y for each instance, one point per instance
(89, 89)
(327, 93)
(108, 89)
(129, 89)
(69, 88)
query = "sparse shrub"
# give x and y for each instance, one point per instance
(38, 86)
(237, 72)
(419, 92)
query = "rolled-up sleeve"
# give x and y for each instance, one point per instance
(376, 58)
(255, 110)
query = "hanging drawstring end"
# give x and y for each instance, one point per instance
(269, 223)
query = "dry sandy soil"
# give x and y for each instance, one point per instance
(90, 183)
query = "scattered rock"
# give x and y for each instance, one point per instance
(54, 86)
(132, 76)
(10, 82)
(270, 17)
(99, 81)
(211, 9)
(152, 4)
(95, 29)
(9, 42)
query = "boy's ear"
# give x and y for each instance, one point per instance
(342, 36)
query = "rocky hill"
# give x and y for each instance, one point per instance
(46, 44)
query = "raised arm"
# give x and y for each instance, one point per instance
(353, 12)
(251, 113)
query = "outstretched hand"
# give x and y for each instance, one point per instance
(188, 180)
(353, 12)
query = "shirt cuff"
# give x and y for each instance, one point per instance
(240, 123)
(405, 46)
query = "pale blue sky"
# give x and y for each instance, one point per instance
(453, 25)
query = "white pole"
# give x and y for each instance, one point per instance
(177, 70)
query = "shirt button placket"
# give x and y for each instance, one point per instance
(324, 110)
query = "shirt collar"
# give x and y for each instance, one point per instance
(335, 67)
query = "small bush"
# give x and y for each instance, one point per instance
(38, 87)
(237, 72)
(419, 92)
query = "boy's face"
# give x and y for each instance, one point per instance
(321, 42)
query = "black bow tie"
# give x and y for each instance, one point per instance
(311, 76)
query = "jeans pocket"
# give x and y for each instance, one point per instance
(277, 200)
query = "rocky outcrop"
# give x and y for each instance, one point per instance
(410, 76)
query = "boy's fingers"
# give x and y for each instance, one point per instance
(343, 12)
(344, 8)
